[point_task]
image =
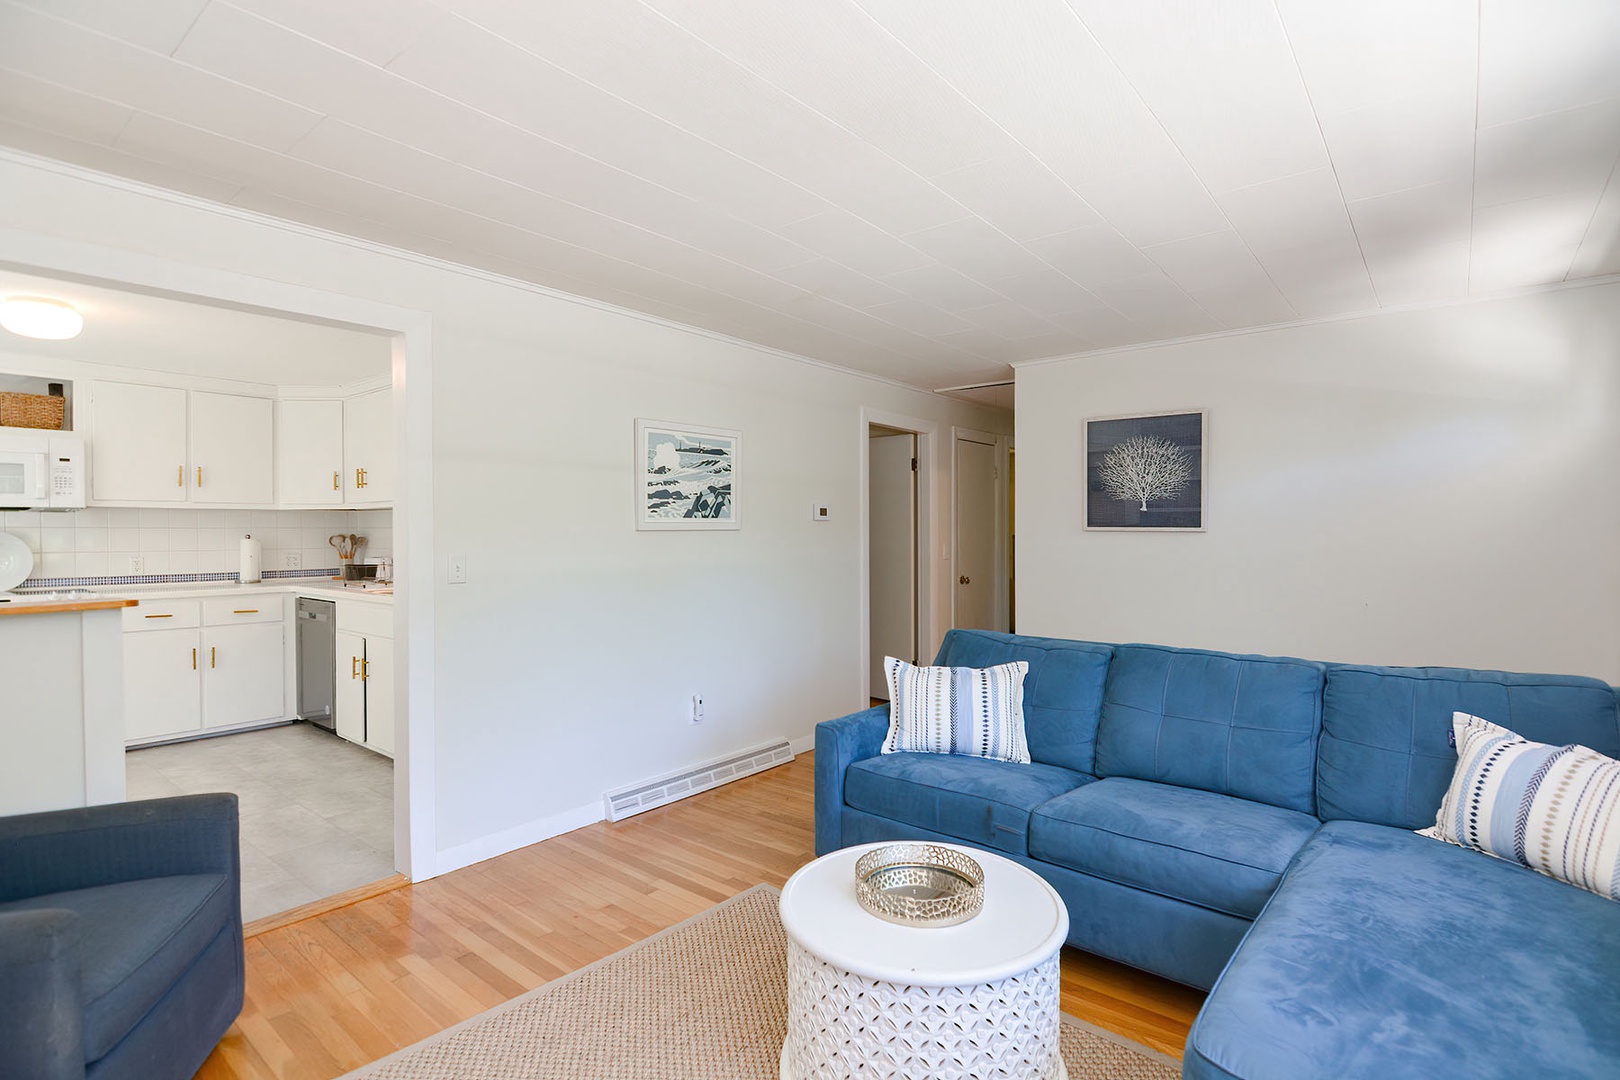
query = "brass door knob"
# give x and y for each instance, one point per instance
(964, 580)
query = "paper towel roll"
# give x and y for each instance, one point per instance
(252, 561)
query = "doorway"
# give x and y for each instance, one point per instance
(981, 588)
(892, 551)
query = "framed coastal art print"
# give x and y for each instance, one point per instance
(1146, 472)
(687, 477)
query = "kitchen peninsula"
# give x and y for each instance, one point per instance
(64, 713)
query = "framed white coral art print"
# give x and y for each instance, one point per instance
(687, 477)
(1146, 472)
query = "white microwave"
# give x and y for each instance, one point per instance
(41, 470)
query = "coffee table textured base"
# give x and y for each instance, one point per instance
(844, 1026)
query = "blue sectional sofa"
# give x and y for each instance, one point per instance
(1245, 824)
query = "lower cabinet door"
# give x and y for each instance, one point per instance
(349, 701)
(379, 671)
(161, 691)
(244, 674)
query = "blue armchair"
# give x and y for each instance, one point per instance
(120, 938)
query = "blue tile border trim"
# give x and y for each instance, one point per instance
(167, 579)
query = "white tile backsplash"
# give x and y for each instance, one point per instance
(100, 541)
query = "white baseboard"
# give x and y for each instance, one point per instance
(532, 832)
(519, 836)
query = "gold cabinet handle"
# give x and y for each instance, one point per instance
(159, 616)
(245, 611)
(193, 655)
(365, 669)
(359, 478)
(335, 486)
(180, 477)
(964, 580)
(199, 476)
(213, 658)
(354, 667)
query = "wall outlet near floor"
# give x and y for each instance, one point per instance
(697, 708)
(137, 564)
(457, 574)
(292, 560)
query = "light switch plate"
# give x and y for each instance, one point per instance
(457, 574)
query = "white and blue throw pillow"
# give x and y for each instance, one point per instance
(1555, 809)
(946, 710)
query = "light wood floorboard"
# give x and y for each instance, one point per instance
(344, 987)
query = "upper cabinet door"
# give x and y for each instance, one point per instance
(138, 451)
(309, 452)
(231, 449)
(368, 447)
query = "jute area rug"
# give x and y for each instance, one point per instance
(703, 1000)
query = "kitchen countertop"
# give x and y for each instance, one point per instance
(127, 595)
(63, 605)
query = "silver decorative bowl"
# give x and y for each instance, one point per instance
(918, 884)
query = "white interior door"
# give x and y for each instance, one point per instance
(977, 520)
(892, 535)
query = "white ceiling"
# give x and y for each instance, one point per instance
(925, 189)
(157, 333)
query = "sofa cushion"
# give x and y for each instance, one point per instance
(979, 800)
(1236, 725)
(957, 710)
(1385, 954)
(136, 938)
(1212, 850)
(1386, 755)
(1062, 691)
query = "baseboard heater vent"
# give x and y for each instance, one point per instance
(678, 785)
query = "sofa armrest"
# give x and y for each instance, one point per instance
(41, 1011)
(99, 845)
(839, 743)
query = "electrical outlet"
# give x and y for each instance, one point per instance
(457, 574)
(292, 560)
(137, 564)
(697, 708)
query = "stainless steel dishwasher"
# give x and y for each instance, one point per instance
(317, 660)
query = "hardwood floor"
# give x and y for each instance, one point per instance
(343, 988)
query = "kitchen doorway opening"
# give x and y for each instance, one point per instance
(404, 811)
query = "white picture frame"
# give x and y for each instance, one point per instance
(687, 477)
(1146, 472)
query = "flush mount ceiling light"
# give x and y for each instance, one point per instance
(30, 317)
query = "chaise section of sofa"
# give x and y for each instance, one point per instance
(1387, 954)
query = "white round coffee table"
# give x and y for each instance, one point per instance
(871, 999)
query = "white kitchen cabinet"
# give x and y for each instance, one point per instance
(231, 449)
(379, 672)
(138, 452)
(160, 683)
(309, 452)
(164, 445)
(364, 705)
(193, 665)
(368, 448)
(246, 676)
(349, 704)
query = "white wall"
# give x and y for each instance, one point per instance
(565, 663)
(1438, 486)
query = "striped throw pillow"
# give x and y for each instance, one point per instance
(1555, 809)
(946, 710)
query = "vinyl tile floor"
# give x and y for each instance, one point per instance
(317, 812)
